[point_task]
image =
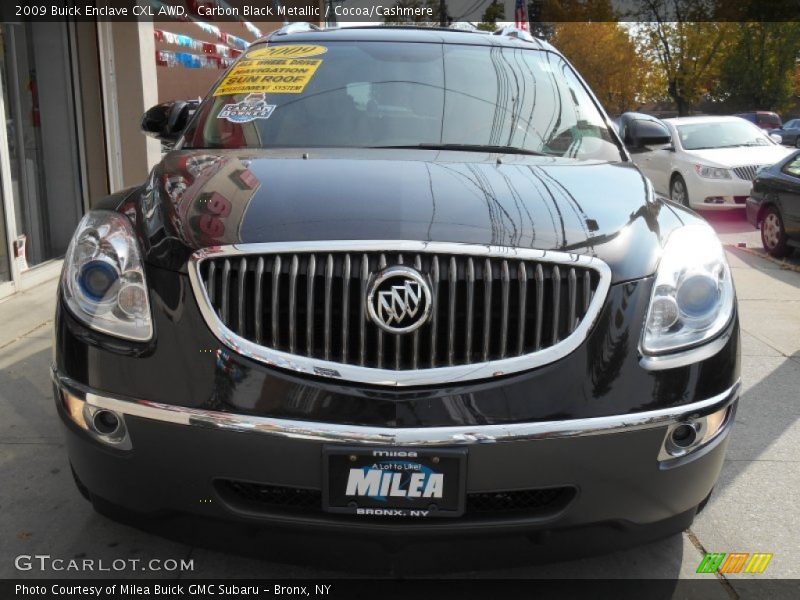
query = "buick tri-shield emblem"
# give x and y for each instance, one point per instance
(399, 300)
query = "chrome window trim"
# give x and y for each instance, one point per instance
(389, 377)
(410, 436)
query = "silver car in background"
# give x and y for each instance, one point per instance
(711, 162)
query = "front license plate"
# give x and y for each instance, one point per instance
(394, 482)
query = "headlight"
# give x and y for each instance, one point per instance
(692, 299)
(103, 278)
(712, 172)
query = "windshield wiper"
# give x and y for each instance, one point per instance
(468, 148)
(748, 144)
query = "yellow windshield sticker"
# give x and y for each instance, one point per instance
(270, 75)
(287, 51)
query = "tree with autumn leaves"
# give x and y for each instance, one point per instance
(606, 55)
(725, 67)
(691, 53)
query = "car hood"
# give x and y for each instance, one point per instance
(741, 156)
(202, 198)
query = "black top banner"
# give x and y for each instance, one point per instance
(400, 12)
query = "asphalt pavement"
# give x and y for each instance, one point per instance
(753, 509)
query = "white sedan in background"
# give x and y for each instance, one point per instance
(711, 162)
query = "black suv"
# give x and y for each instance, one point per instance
(401, 282)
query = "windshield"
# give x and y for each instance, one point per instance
(387, 94)
(721, 134)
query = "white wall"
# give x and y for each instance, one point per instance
(130, 87)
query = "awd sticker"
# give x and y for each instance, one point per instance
(253, 107)
(287, 51)
(269, 75)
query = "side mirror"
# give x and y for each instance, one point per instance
(166, 121)
(645, 132)
(776, 137)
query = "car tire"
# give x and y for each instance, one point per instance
(773, 234)
(678, 192)
(797, 142)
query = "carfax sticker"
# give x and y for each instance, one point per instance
(287, 51)
(253, 107)
(269, 75)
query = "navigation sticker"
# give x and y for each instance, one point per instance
(269, 75)
(253, 107)
(287, 51)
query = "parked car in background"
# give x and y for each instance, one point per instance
(711, 162)
(762, 118)
(790, 133)
(774, 206)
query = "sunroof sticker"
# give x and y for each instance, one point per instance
(271, 74)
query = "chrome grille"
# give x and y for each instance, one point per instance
(489, 305)
(747, 172)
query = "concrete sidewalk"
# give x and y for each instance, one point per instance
(754, 508)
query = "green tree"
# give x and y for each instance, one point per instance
(687, 48)
(759, 67)
(493, 13)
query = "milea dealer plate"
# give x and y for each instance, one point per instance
(394, 482)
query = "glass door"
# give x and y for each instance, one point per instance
(42, 141)
(6, 190)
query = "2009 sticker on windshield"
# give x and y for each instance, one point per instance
(273, 70)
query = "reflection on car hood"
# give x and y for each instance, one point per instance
(203, 198)
(737, 157)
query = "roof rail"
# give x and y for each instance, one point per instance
(463, 26)
(299, 27)
(515, 32)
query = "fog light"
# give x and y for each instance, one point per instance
(687, 437)
(683, 436)
(106, 422)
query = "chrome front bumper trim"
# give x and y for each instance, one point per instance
(415, 436)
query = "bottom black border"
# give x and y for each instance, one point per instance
(651, 589)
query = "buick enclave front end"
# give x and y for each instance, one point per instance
(398, 282)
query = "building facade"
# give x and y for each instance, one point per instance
(71, 99)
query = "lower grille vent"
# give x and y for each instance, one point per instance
(531, 502)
